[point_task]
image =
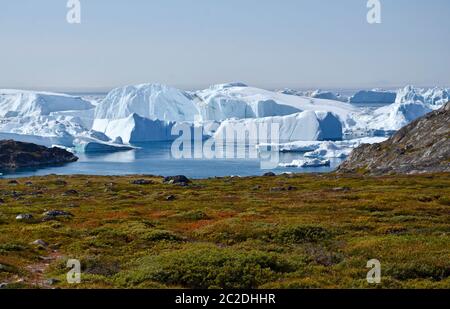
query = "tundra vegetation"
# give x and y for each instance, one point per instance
(288, 231)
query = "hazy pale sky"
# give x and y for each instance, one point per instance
(194, 43)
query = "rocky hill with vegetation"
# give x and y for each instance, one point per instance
(421, 147)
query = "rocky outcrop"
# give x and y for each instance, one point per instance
(421, 147)
(15, 155)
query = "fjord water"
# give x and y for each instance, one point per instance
(156, 159)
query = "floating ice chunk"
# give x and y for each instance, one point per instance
(330, 150)
(306, 163)
(86, 145)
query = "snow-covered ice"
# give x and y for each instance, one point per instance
(22, 103)
(153, 101)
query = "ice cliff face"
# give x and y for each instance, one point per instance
(305, 126)
(135, 129)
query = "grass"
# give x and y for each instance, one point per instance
(228, 232)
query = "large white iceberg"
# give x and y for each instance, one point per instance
(305, 126)
(135, 129)
(153, 101)
(219, 104)
(21, 103)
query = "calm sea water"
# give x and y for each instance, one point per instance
(156, 159)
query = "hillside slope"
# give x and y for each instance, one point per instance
(423, 146)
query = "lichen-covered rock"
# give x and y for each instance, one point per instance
(423, 146)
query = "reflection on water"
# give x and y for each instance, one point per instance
(155, 159)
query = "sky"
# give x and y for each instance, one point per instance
(191, 44)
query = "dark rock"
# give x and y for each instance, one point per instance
(13, 182)
(142, 182)
(423, 146)
(55, 214)
(256, 188)
(179, 180)
(28, 183)
(291, 188)
(2, 201)
(24, 217)
(15, 155)
(3, 285)
(171, 198)
(269, 174)
(71, 192)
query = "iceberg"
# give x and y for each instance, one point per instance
(21, 103)
(328, 95)
(86, 145)
(298, 146)
(373, 96)
(435, 97)
(306, 163)
(330, 150)
(395, 116)
(323, 149)
(152, 101)
(219, 104)
(135, 129)
(305, 126)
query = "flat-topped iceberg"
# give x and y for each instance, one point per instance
(22, 103)
(373, 96)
